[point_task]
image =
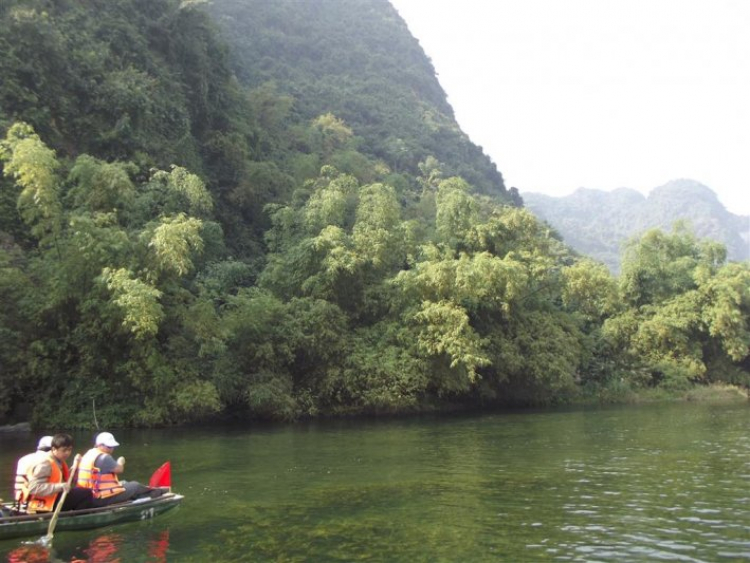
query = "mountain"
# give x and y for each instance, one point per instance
(597, 223)
(357, 60)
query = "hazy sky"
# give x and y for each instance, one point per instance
(598, 93)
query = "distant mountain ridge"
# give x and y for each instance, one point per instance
(597, 222)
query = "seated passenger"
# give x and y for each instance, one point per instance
(48, 477)
(25, 464)
(98, 471)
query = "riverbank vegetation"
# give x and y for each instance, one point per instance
(176, 247)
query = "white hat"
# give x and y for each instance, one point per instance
(45, 442)
(106, 439)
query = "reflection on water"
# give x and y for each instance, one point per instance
(102, 548)
(618, 484)
(29, 554)
(107, 548)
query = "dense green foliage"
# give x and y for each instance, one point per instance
(176, 247)
(598, 223)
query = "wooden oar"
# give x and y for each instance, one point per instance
(52, 523)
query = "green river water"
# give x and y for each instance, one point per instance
(636, 483)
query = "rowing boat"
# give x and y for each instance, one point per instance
(131, 511)
(14, 525)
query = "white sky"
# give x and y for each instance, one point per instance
(598, 93)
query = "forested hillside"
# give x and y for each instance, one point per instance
(267, 210)
(357, 60)
(599, 223)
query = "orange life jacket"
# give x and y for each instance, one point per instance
(57, 475)
(103, 485)
(25, 465)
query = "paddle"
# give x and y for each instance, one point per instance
(52, 523)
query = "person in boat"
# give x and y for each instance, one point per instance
(25, 464)
(48, 478)
(98, 471)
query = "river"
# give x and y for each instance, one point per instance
(632, 483)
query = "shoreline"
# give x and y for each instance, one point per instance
(714, 393)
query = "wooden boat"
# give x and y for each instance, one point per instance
(13, 525)
(131, 511)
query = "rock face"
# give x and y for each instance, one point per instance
(598, 223)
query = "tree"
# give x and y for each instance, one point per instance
(688, 313)
(658, 265)
(457, 210)
(108, 295)
(33, 166)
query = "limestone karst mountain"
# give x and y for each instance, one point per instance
(598, 223)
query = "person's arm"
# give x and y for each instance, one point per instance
(107, 464)
(39, 484)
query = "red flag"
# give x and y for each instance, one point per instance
(162, 477)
